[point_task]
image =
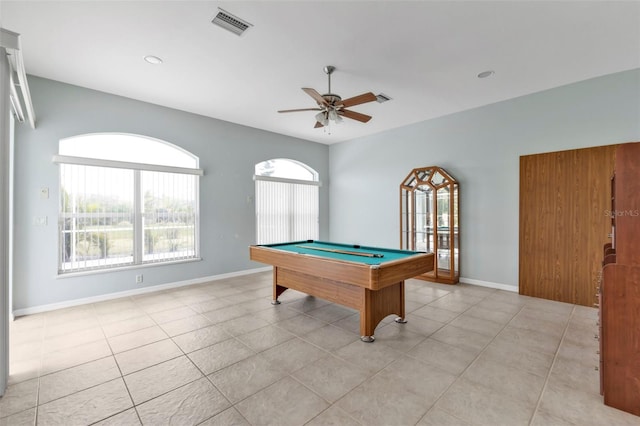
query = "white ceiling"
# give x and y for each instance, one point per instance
(423, 54)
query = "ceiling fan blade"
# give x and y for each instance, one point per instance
(301, 109)
(354, 115)
(315, 95)
(318, 124)
(357, 100)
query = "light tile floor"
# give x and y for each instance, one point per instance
(221, 354)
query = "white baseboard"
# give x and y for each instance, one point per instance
(135, 292)
(489, 284)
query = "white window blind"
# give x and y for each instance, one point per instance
(96, 218)
(170, 216)
(116, 213)
(286, 211)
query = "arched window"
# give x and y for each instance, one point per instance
(125, 200)
(287, 201)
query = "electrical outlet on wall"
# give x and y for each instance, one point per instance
(138, 278)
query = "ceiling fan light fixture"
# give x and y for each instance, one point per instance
(333, 115)
(322, 119)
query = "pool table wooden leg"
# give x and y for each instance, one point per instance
(277, 289)
(379, 304)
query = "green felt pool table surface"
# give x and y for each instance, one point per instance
(344, 252)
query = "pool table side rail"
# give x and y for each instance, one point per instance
(402, 269)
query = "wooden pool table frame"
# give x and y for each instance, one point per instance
(376, 291)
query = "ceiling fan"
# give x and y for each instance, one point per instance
(333, 107)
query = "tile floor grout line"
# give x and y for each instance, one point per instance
(206, 376)
(553, 363)
(135, 406)
(40, 371)
(80, 390)
(115, 360)
(113, 415)
(470, 364)
(327, 353)
(331, 404)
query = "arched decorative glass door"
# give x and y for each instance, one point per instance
(429, 220)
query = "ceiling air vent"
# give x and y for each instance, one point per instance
(382, 98)
(230, 22)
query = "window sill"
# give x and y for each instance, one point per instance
(124, 268)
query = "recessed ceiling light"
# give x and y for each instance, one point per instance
(485, 74)
(153, 59)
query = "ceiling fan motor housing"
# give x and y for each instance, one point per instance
(331, 99)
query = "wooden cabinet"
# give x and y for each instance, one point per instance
(619, 291)
(429, 220)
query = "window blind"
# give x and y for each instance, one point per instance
(111, 218)
(286, 211)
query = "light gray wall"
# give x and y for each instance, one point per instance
(228, 153)
(481, 148)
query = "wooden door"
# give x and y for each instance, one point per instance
(565, 198)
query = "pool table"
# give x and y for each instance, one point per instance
(368, 279)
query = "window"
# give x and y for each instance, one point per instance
(125, 200)
(286, 201)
